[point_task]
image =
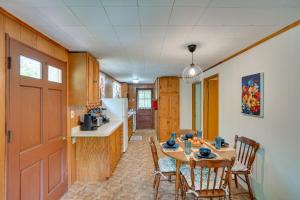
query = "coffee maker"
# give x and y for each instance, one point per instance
(88, 124)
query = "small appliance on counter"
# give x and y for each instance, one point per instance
(87, 124)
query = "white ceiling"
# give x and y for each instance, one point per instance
(148, 38)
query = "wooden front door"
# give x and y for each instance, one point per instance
(36, 125)
(144, 111)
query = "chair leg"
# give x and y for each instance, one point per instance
(181, 188)
(154, 181)
(169, 178)
(236, 180)
(249, 187)
(157, 187)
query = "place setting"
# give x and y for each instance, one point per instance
(171, 144)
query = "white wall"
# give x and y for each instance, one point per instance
(277, 168)
(185, 105)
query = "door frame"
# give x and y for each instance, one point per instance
(194, 104)
(64, 114)
(136, 102)
(206, 103)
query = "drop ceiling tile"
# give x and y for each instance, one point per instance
(79, 32)
(82, 2)
(25, 13)
(202, 3)
(123, 16)
(252, 3)
(60, 16)
(35, 3)
(91, 16)
(155, 2)
(249, 16)
(153, 32)
(130, 35)
(119, 2)
(185, 15)
(154, 15)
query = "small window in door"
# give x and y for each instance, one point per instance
(54, 74)
(144, 99)
(30, 67)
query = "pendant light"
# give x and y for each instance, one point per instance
(193, 72)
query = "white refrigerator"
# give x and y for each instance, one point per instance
(117, 109)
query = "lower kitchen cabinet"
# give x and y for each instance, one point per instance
(97, 157)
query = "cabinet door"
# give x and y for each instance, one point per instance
(112, 141)
(163, 84)
(90, 79)
(173, 105)
(96, 97)
(163, 130)
(173, 84)
(164, 105)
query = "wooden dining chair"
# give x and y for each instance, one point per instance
(163, 167)
(246, 153)
(207, 178)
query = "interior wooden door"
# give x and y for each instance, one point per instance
(211, 108)
(36, 124)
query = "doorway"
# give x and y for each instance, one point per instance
(36, 124)
(196, 105)
(144, 111)
(211, 107)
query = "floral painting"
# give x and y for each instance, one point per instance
(252, 95)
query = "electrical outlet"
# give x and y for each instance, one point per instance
(72, 114)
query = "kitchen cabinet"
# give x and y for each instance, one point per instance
(124, 90)
(83, 79)
(98, 156)
(167, 117)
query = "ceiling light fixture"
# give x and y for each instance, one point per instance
(136, 80)
(193, 72)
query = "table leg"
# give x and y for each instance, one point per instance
(177, 180)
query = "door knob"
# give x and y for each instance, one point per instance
(64, 138)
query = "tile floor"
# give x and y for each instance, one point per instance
(132, 179)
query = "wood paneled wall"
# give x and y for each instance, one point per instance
(24, 33)
(132, 93)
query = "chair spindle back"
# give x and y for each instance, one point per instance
(154, 152)
(213, 174)
(247, 150)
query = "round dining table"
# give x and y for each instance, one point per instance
(181, 157)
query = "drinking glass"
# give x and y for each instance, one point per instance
(187, 147)
(218, 143)
(199, 134)
(173, 136)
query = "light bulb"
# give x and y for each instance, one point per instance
(192, 71)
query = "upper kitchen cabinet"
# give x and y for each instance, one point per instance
(124, 90)
(83, 79)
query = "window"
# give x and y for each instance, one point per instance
(116, 90)
(30, 68)
(54, 74)
(144, 99)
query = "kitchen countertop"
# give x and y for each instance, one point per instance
(102, 131)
